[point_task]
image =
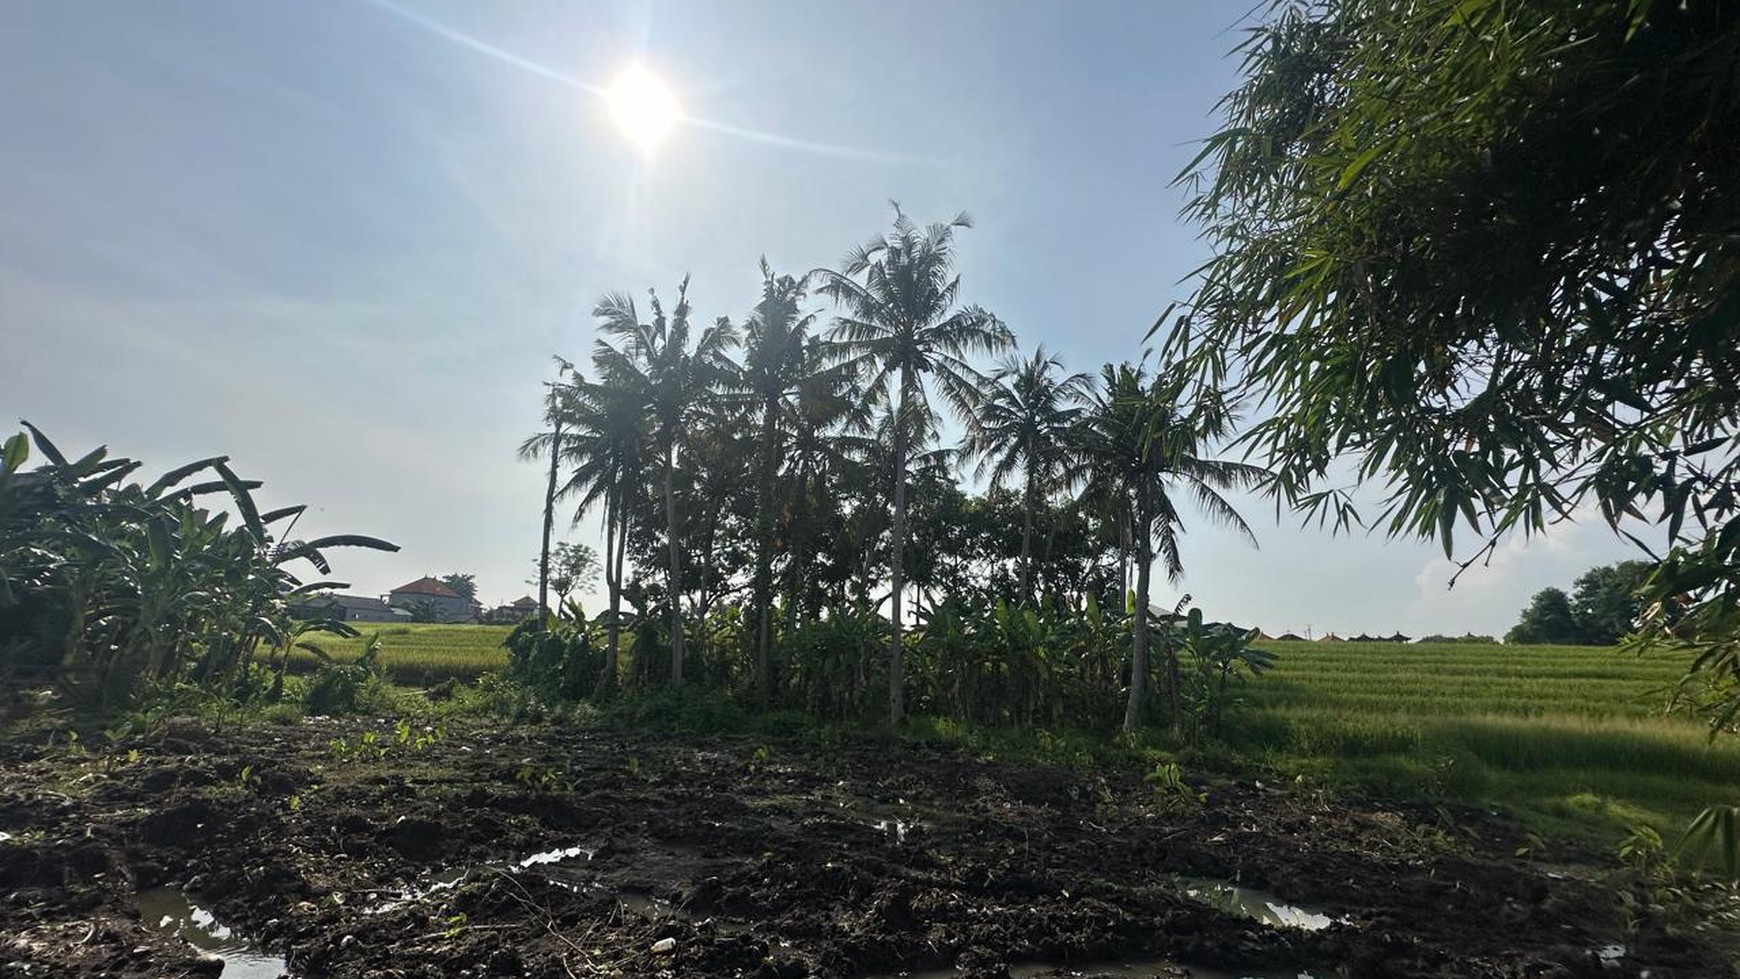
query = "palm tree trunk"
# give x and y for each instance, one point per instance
(797, 576)
(707, 581)
(1173, 682)
(1139, 645)
(1027, 508)
(549, 527)
(612, 583)
(764, 561)
(1123, 559)
(616, 590)
(897, 558)
(676, 576)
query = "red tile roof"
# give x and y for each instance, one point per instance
(426, 586)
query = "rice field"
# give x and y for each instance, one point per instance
(419, 653)
(1571, 737)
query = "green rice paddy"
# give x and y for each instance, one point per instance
(1571, 737)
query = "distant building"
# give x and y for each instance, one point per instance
(1331, 637)
(515, 611)
(449, 605)
(1398, 637)
(346, 608)
(1288, 637)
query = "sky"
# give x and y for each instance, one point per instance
(341, 241)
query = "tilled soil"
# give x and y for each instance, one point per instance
(734, 858)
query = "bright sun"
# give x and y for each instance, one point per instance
(643, 107)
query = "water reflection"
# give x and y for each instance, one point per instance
(168, 911)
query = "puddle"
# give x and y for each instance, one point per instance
(1122, 970)
(1256, 905)
(555, 856)
(167, 911)
(898, 827)
(1612, 956)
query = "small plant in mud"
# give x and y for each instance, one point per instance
(71, 739)
(1533, 844)
(409, 736)
(541, 778)
(1172, 794)
(759, 760)
(248, 779)
(455, 924)
(365, 746)
(1642, 850)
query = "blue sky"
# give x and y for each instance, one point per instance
(341, 244)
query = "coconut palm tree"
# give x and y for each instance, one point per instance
(901, 322)
(785, 364)
(605, 440)
(655, 365)
(1022, 427)
(1143, 443)
(549, 444)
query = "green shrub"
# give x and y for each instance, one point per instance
(561, 659)
(348, 688)
(681, 710)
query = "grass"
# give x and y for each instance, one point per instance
(1570, 738)
(419, 654)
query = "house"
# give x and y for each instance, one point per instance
(1289, 637)
(518, 610)
(1331, 637)
(346, 608)
(449, 605)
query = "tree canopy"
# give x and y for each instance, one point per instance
(1488, 252)
(1547, 619)
(465, 585)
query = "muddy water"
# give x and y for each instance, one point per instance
(1256, 905)
(168, 911)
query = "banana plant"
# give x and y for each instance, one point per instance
(110, 585)
(1220, 654)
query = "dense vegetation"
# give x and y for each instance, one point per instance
(1481, 252)
(745, 475)
(1602, 609)
(111, 588)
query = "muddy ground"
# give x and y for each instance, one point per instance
(743, 858)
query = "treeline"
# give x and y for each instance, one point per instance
(783, 515)
(1603, 608)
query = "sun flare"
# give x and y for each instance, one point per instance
(643, 107)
